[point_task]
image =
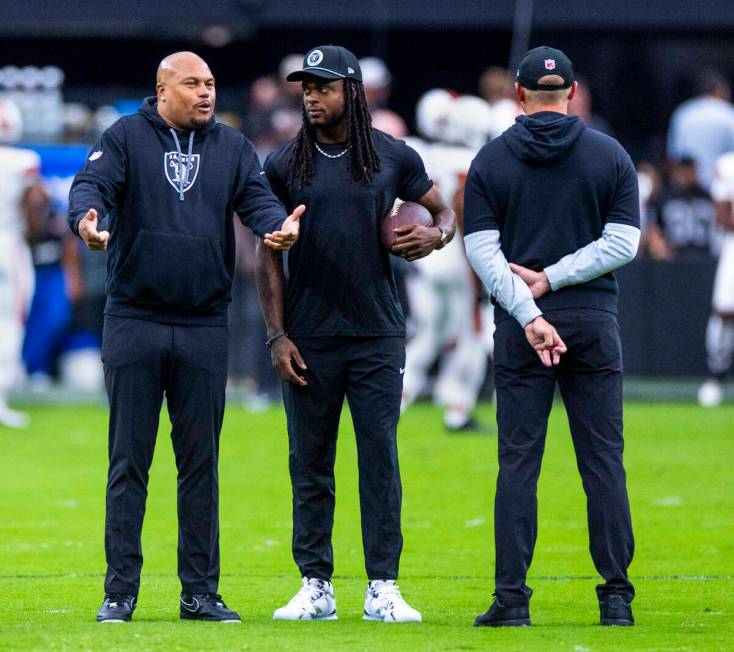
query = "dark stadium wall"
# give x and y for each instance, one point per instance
(663, 311)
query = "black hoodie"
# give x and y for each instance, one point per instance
(171, 250)
(549, 184)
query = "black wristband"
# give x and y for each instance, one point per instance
(277, 336)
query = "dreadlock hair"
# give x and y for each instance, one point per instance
(363, 160)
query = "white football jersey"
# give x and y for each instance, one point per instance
(504, 113)
(19, 169)
(722, 188)
(447, 166)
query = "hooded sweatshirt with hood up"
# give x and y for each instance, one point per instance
(551, 187)
(170, 198)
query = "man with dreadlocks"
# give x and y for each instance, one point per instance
(345, 328)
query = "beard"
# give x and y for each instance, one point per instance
(329, 122)
(198, 123)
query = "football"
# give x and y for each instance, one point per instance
(402, 214)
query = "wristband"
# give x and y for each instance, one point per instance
(277, 336)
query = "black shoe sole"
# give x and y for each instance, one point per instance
(520, 622)
(115, 619)
(617, 622)
(210, 620)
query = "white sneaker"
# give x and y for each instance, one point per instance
(314, 601)
(13, 418)
(384, 602)
(711, 393)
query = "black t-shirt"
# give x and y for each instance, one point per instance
(687, 218)
(339, 278)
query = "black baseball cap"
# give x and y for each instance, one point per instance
(542, 61)
(329, 62)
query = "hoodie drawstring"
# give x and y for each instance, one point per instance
(183, 168)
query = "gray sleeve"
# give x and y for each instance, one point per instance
(616, 247)
(511, 292)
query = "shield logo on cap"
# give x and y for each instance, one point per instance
(315, 58)
(187, 168)
(550, 64)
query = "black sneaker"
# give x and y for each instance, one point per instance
(500, 615)
(117, 608)
(471, 426)
(207, 606)
(615, 610)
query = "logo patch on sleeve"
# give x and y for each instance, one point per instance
(96, 155)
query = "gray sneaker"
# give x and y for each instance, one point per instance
(314, 601)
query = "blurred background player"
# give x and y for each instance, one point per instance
(376, 79)
(497, 90)
(51, 247)
(19, 169)
(442, 292)
(682, 218)
(649, 182)
(389, 122)
(702, 128)
(273, 110)
(720, 329)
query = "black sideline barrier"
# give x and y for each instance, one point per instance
(663, 311)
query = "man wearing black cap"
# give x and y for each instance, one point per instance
(345, 327)
(558, 200)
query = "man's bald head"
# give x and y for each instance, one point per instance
(178, 62)
(185, 91)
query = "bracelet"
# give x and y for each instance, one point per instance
(277, 336)
(444, 237)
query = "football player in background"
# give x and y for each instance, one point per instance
(442, 291)
(19, 169)
(720, 329)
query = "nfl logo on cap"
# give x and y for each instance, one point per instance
(550, 64)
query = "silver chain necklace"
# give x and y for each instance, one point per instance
(327, 155)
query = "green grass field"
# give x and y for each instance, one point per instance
(679, 460)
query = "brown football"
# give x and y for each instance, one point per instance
(402, 214)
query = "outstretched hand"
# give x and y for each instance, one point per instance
(95, 240)
(536, 281)
(545, 340)
(285, 238)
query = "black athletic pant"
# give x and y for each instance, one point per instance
(143, 361)
(590, 380)
(368, 371)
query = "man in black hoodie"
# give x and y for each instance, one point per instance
(170, 178)
(560, 201)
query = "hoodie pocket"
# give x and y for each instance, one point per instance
(175, 270)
